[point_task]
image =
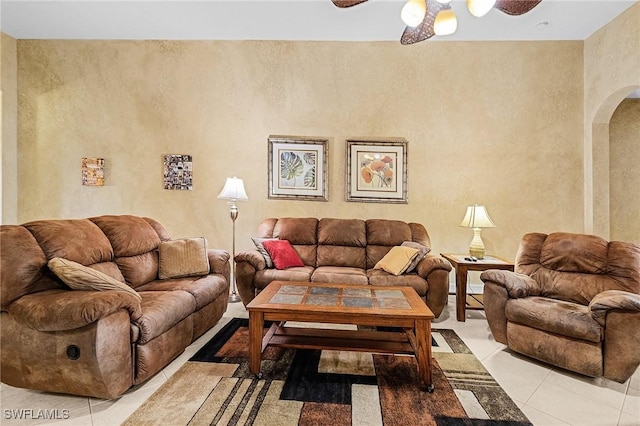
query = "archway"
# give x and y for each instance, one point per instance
(597, 166)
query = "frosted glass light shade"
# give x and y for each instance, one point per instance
(477, 217)
(233, 190)
(413, 12)
(444, 1)
(480, 8)
(446, 22)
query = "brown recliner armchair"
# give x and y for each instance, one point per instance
(574, 302)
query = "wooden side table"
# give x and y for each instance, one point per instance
(462, 268)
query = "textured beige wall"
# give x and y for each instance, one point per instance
(612, 71)
(494, 123)
(9, 126)
(625, 172)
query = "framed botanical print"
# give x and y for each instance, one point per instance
(376, 171)
(298, 168)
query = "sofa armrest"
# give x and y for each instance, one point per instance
(218, 261)
(253, 257)
(431, 263)
(56, 310)
(517, 285)
(613, 300)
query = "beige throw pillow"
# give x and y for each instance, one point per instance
(80, 277)
(183, 258)
(397, 260)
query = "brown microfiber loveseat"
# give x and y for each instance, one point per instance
(344, 251)
(98, 343)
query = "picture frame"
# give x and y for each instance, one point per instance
(298, 168)
(178, 172)
(376, 171)
(92, 171)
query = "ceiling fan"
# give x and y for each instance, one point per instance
(426, 18)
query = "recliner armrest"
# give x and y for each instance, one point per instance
(56, 310)
(218, 261)
(253, 257)
(517, 285)
(431, 263)
(610, 300)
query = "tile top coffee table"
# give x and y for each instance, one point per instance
(462, 267)
(283, 301)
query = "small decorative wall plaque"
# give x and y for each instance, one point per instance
(93, 171)
(178, 172)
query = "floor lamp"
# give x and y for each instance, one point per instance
(233, 191)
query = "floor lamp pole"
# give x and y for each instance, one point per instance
(234, 296)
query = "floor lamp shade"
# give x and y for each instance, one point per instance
(477, 217)
(233, 191)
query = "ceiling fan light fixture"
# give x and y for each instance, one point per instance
(444, 1)
(446, 23)
(413, 12)
(479, 8)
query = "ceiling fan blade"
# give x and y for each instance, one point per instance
(425, 29)
(347, 3)
(516, 7)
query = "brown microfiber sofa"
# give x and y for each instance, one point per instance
(344, 251)
(574, 302)
(98, 343)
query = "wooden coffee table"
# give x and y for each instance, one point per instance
(283, 301)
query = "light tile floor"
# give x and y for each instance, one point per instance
(548, 396)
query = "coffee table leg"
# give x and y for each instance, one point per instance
(423, 353)
(256, 325)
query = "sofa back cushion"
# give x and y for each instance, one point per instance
(342, 242)
(135, 245)
(22, 263)
(383, 234)
(300, 232)
(577, 267)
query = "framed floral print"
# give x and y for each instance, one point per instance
(376, 171)
(298, 168)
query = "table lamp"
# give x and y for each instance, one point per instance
(477, 218)
(233, 191)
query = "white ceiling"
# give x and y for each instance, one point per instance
(288, 20)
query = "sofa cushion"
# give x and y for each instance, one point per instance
(342, 232)
(397, 260)
(265, 276)
(139, 269)
(379, 277)
(78, 240)
(161, 310)
(282, 254)
(22, 263)
(129, 235)
(338, 274)
(555, 316)
(80, 277)
(183, 258)
(574, 253)
(389, 233)
(354, 257)
(296, 230)
(204, 289)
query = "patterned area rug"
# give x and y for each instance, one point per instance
(311, 387)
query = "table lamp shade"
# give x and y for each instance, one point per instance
(233, 190)
(477, 218)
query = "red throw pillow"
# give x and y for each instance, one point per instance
(282, 254)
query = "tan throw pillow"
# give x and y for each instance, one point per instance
(397, 259)
(183, 258)
(80, 277)
(422, 252)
